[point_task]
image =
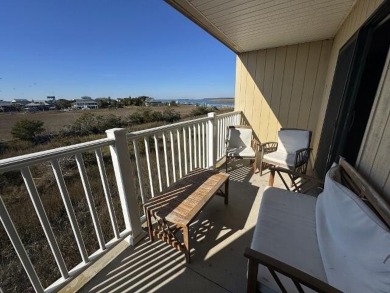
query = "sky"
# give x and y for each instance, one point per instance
(101, 48)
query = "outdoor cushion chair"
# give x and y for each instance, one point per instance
(291, 151)
(241, 144)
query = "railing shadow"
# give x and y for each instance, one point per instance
(218, 239)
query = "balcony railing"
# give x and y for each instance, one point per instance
(164, 153)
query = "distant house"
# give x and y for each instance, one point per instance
(37, 106)
(20, 102)
(153, 103)
(6, 106)
(85, 103)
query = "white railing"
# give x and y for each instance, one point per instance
(164, 153)
(115, 142)
(169, 152)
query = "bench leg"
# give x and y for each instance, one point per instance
(186, 244)
(149, 223)
(227, 191)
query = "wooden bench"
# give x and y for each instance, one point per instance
(176, 208)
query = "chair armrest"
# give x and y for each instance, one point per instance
(297, 276)
(302, 156)
(268, 147)
(300, 182)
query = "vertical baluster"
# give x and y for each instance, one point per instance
(19, 248)
(139, 171)
(203, 146)
(90, 201)
(173, 156)
(107, 192)
(158, 162)
(219, 141)
(199, 146)
(147, 151)
(195, 150)
(217, 138)
(69, 209)
(185, 151)
(166, 157)
(190, 145)
(224, 131)
(179, 152)
(43, 219)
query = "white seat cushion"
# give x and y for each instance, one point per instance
(286, 230)
(354, 243)
(280, 158)
(241, 152)
(239, 137)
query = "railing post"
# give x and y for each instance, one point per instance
(211, 141)
(123, 172)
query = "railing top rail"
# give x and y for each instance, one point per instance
(19, 162)
(151, 131)
(228, 114)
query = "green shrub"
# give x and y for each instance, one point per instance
(89, 123)
(27, 129)
(202, 110)
(170, 115)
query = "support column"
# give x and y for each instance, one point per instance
(211, 141)
(126, 188)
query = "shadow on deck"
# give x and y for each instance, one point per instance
(218, 240)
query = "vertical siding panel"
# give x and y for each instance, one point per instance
(280, 61)
(250, 85)
(258, 95)
(309, 85)
(320, 82)
(268, 80)
(237, 97)
(244, 74)
(287, 87)
(242, 77)
(365, 9)
(299, 80)
(371, 7)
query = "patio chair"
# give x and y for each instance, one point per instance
(291, 151)
(241, 144)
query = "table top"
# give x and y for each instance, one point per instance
(182, 201)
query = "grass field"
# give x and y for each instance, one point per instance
(56, 120)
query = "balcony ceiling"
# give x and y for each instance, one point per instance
(247, 25)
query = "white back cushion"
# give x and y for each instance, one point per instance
(239, 137)
(289, 141)
(354, 243)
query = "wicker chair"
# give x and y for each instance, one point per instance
(291, 151)
(241, 144)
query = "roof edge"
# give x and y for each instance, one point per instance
(195, 16)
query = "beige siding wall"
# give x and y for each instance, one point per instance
(358, 15)
(374, 158)
(282, 87)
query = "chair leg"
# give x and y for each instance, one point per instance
(226, 162)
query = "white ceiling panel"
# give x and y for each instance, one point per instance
(246, 25)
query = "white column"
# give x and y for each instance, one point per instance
(123, 173)
(211, 140)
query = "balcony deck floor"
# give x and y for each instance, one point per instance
(218, 240)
